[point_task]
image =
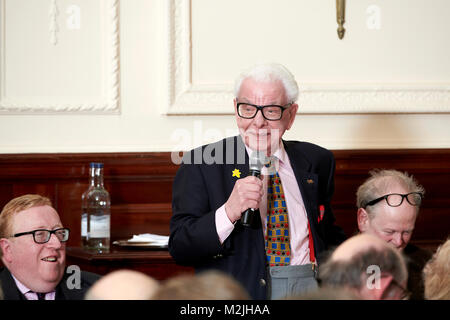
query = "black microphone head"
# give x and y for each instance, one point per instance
(257, 160)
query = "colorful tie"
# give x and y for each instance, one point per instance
(278, 248)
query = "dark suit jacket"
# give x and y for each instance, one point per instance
(416, 259)
(11, 292)
(200, 189)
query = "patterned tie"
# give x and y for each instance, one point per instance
(278, 248)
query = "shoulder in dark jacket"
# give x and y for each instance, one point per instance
(73, 285)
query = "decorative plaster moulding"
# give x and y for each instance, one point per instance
(187, 98)
(106, 100)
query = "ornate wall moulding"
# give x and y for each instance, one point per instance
(187, 98)
(62, 58)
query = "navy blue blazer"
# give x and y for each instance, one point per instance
(11, 292)
(199, 189)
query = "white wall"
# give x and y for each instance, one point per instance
(156, 75)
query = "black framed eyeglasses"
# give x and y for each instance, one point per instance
(43, 235)
(396, 199)
(271, 112)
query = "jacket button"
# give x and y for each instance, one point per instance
(262, 282)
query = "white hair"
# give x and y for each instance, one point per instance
(270, 72)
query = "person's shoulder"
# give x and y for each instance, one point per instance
(89, 277)
(8, 285)
(86, 278)
(4, 273)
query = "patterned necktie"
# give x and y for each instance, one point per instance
(278, 248)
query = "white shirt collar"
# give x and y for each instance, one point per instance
(280, 156)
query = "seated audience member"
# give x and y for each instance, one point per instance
(33, 251)
(437, 274)
(368, 267)
(207, 285)
(388, 204)
(123, 285)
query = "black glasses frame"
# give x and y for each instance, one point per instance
(50, 232)
(385, 197)
(260, 108)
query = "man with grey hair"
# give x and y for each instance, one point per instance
(368, 267)
(388, 204)
(273, 253)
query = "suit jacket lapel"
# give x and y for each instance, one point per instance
(64, 293)
(239, 162)
(10, 290)
(308, 182)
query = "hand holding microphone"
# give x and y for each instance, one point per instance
(244, 200)
(257, 161)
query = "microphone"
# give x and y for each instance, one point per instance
(257, 160)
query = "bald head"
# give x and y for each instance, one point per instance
(359, 261)
(123, 285)
(356, 245)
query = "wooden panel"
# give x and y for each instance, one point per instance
(158, 264)
(140, 185)
(130, 219)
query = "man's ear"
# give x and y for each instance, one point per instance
(363, 220)
(6, 249)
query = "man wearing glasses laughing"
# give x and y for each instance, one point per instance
(33, 250)
(388, 204)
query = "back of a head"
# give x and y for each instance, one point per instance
(379, 182)
(207, 285)
(123, 285)
(15, 206)
(436, 274)
(353, 262)
(270, 72)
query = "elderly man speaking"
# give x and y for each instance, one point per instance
(275, 255)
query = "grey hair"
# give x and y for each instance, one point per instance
(354, 273)
(267, 73)
(379, 181)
